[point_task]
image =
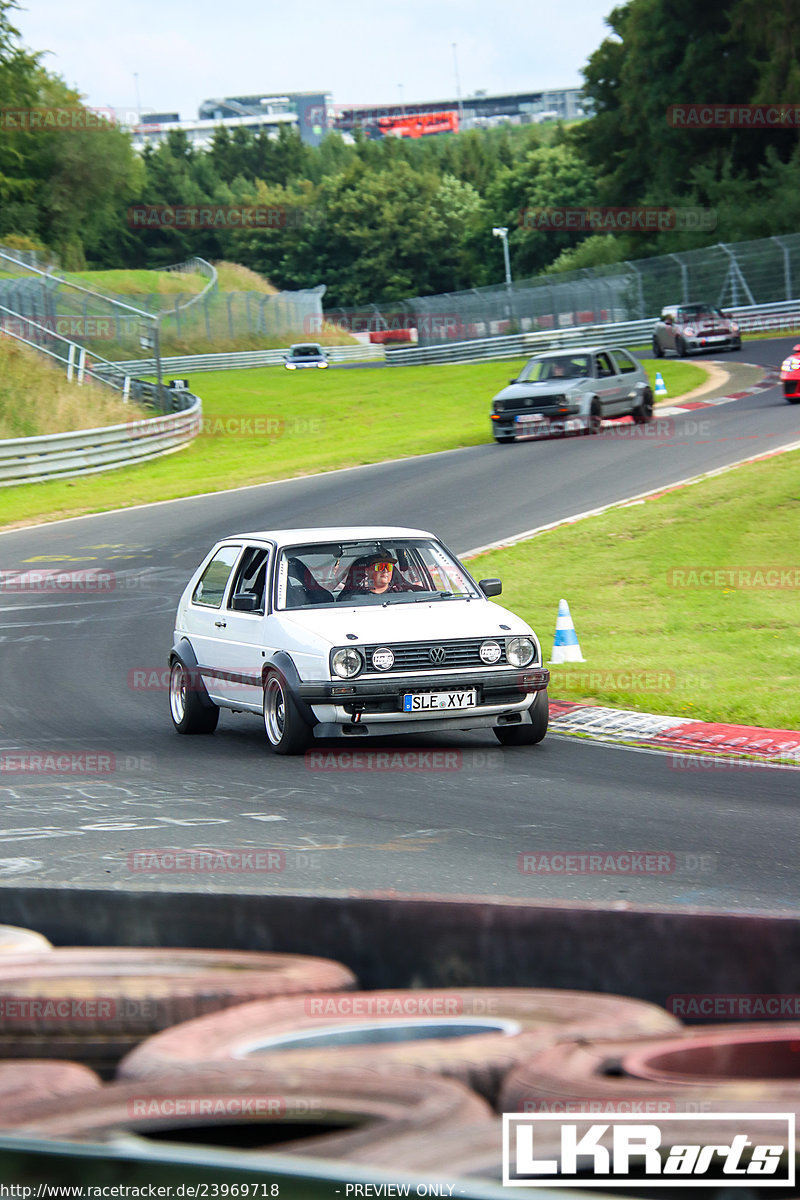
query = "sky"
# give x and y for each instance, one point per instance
(169, 55)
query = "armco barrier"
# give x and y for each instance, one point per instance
(85, 451)
(241, 359)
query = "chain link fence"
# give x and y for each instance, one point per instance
(759, 272)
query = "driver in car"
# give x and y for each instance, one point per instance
(377, 573)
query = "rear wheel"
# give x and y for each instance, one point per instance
(643, 413)
(287, 732)
(189, 714)
(527, 735)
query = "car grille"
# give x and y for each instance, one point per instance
(435, 656)
(536, 403)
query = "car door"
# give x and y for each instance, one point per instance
(236, 652)
(629, 378)
(204, 620)
(609, 387)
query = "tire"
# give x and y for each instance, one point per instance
(657, 351)
(116, 997)
(23, 1084)
(595, 424)
(680, 346)
(494, 1029)
(15, 940)
(527, 735)
(287, 732)
(643, 413)
(189, 713)
(509, 437)
(603, 1070)
(288, 1109)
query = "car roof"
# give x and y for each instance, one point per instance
(567, 350)
(306, 346)
(333, 533)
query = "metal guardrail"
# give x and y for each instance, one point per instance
(241, 359)
(197, 266)
(86, 451)
(769, 318)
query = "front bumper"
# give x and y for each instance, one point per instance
(385, 694)
(714, 341)
(791, 387)
(549, 423)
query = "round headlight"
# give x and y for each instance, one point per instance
(689, 331)
(347, 662)
(490, 652)
(520, 651)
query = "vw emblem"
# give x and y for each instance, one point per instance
(437, 655)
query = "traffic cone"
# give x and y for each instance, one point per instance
(661, 389)
(565, 645)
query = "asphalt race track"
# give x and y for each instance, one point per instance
(68, 686)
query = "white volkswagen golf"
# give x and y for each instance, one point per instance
(349, 633)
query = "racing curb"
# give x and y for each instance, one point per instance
(705, 744)
(768, 380)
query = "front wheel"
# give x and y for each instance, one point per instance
(643, 413)
(503, 438)
(680, 346)
(527, 735)
(189, 714)
(657, 351)
(595, 422)
(287, 732)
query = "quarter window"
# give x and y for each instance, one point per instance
(211, 586)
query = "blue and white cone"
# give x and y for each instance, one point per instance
(661, 387)
(565, 645)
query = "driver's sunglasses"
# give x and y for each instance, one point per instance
(382, 566)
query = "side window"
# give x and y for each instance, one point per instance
(624, 361)
(604, 367)
(211, 586)
(249, 584)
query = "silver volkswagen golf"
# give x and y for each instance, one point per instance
(572, 391)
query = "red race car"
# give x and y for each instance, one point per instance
(790, 376)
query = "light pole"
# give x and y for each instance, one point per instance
(501, 231)
(458, 86)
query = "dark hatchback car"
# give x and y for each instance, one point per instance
(572, 391)
(685, 328)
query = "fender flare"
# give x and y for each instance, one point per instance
(183, 652)
(282, 662)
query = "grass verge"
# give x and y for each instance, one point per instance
(694, 616)
(274, 424)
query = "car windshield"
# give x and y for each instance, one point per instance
(692, 311)
(306, 351)
(370, 572)
(567, 366)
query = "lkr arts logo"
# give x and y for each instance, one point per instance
(670, 1150)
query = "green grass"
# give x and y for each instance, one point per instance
(310, 421)
(728, 652)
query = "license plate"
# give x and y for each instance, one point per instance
(529, 418)
(435, 701)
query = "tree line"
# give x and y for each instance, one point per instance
(380, 221)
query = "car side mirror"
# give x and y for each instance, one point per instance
(244, 602)
(513, 381)
(490, 587)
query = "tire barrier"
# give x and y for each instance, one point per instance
(306, 1112)
(726, 1068)
(35, 1082)
(473, 1035)
(95, 1004)
(15, 940)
